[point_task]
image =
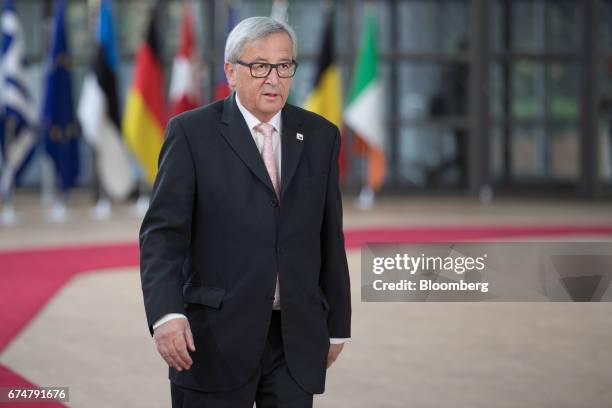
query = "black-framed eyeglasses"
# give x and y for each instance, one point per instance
(263, 69)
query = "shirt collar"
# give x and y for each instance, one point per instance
(252, 121)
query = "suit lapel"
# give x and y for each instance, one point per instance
(238, 135)
(291, 146)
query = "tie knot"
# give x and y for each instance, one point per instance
(266, 129)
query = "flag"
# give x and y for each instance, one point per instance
(144, 118)
(325, 98)
(364, 110)
(99, 112)
(17, 113)
(184, 84)
(60, 128)
(222, 90)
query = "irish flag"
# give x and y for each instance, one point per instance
(144, 120)
(364, 111)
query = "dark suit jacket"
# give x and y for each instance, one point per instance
(216, 236)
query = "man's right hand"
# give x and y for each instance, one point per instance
(172, 340)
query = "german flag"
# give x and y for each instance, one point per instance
(145, 111)
(325, 98)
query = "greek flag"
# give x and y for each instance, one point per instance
(17, 111)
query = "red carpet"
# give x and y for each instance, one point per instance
(30, 278)
(9, 378)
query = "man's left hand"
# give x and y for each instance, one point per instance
(334, 352)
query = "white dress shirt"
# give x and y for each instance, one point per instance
(252, 122)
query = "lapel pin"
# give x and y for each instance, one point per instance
(299, 136)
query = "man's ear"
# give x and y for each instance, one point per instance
(230, 74)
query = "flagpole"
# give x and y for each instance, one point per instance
(8, 217)
(103, 209)
(54, 203)
(142, 204)
(7, 172)
(365, 200)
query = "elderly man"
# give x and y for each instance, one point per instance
(243, 267)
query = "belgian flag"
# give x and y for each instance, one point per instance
(325, 98)
(145, 114)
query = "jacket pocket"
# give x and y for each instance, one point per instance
(203, 295)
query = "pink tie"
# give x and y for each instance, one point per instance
(267, 154)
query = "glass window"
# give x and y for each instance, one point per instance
(545, 89)
(563, 81)
(605, 122)
(605, 25)
(433, 26)
(565, 152)
(496, 26)
(528, 89)
(527, 152)
(432, 156)
(562, 27)
(433, 90)
(540, 153)
(545, 25)
(496, 91)
(496, 151)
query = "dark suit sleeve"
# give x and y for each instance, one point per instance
(165, 233)
(334, 278)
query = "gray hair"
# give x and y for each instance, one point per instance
(252, 29)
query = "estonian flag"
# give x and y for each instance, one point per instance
(99, 113)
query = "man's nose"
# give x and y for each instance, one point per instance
(272, 77)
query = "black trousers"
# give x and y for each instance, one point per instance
(271, 387)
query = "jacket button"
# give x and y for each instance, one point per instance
(274, 202)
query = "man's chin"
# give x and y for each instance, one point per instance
(272, 108)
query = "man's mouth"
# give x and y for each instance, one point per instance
(271, 94)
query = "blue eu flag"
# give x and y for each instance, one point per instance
(60, 127)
